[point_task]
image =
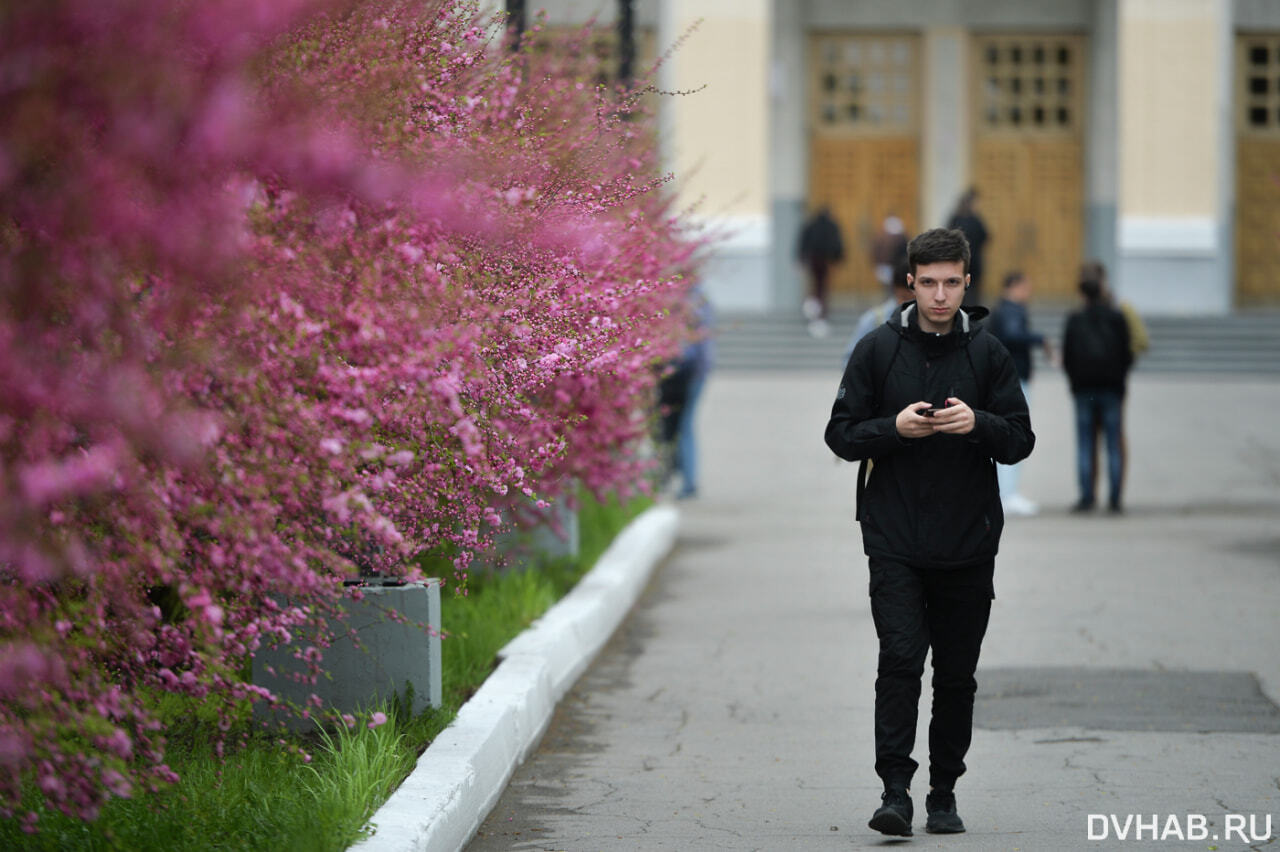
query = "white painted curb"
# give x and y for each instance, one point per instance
(460, 777)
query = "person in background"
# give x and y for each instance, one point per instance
(889, 249)
(967, 220)
(899, 292)
(680, 391)
(1011, 324)
(927, 401)
(1096, 356)
(819, 247)
(1139, 343)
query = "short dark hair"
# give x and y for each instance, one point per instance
(1013, 278)
(939, 245)
(1093, 280)
(1094, 269)
(1091, 289)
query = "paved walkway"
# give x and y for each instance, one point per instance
(1130, 669)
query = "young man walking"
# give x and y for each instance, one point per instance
(929, 403)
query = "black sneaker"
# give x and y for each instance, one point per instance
(1081, 507)
(941, 807)
(894, 816)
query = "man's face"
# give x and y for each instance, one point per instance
(1020, 292)
(939, 291)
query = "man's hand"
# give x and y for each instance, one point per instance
(956, 419)
(911, 424)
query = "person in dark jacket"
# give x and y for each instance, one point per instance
(1011, 323)
(967, 219)
(1096, 356)
(929, 402)
(819, 247)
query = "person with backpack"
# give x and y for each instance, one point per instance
(929, 402)
(1139, 343)
(1096, 356)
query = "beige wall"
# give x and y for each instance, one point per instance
(719, 136)
(1169, 61)
(1173, 234)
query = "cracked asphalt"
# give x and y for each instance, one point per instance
(1128, 684)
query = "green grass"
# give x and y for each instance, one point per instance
(265, 797)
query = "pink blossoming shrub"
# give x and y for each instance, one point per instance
(289, 287)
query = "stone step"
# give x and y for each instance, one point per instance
(1245, 343)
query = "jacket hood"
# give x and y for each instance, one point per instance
(968, 321)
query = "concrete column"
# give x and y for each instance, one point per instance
(788, 150)
(945, 122)
(666, 34)
(1174, 242)
(1101, 153)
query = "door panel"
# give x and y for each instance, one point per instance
(1028, 158)
(1257, 168)
(864, 180)
(864, 142)
(1257, 220)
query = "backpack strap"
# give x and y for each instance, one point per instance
(981, 379)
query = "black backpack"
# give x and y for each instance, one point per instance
(1095, 345)
(1095, 348)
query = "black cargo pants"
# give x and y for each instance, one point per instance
(915, 610)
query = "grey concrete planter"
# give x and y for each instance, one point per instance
(394, 656)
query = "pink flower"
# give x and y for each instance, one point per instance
(120, 744)
(116, 783)
(254, 283)
(81, 472)
(377, 720)
(13, 751)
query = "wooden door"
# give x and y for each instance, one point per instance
(1028, 158)
(864, 143)
(1257, 167)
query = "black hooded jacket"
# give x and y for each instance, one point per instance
(820, 240)
(930, 502)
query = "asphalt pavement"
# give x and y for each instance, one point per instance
(1128, 686)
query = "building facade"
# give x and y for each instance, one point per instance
(1143, 133)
